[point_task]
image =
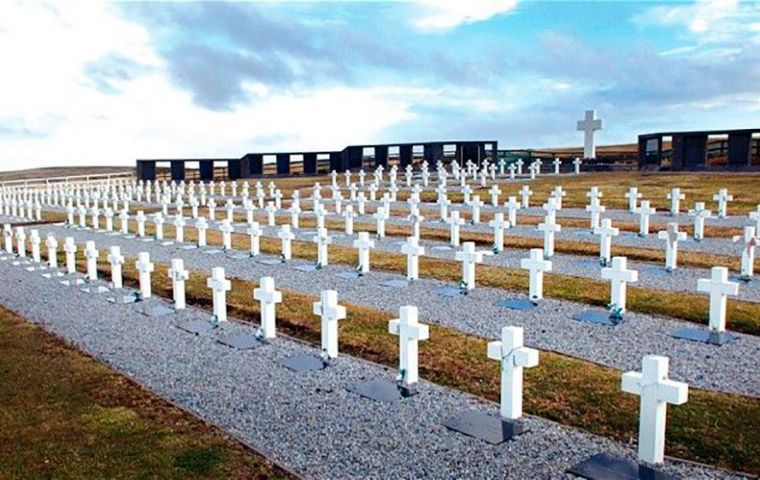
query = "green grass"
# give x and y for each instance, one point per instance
(65, 415)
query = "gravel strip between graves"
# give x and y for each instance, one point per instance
(308, 421)
(731, 368)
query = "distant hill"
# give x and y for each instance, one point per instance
(59, 172)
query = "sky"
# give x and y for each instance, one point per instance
(90, 83)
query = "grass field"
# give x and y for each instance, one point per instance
(66, 415)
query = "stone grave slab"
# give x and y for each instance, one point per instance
(303, 363)
(240, 341)
(196, 326)
(306, 268)
(380, 391)
(704, 336)
(348, 275)
(213, 251)
(73, 282)
(21, 262)
(489, 428)
(655, 271)
(586, 263)
(157, 310)
(52, 274)
(395, 283)
(113, 234)
(167, 243)
(516, 304)
(123, 297)
(147, 240)
(596, 317)
(270, 261)
(606, 467)
(130, 236)
(449, 292)
(238, 256)
(188, 247)
(95, 289)
(442, 248)
(36, 268)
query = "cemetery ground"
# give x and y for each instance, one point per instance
(66, 415)
(718, 426)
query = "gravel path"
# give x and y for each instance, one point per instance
(308, 421)
(731, 368)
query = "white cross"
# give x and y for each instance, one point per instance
(656, 391)
(271, 210)
(594, 194)
(179, 228)
(410, 332)
(91, 253)
(140, 223)
(756, 217)
(475, 205)
(595, 209)
(512, 169)
(201, 225)
(551, 208)
(495, 192)
(557, 164)
(536, 265)
(605, 232)
(226, 228)
(675, 196)
(52, 250)
(364, 244)
(633, 196)
(71, 250)
(454, 221)
(722, 197)
(116, 259)
(519, 164)
(577, 165)
(644, 212)
(254, 232)
(144, 268)
(443, 204)
(619, 275)
(514, 356)
(230, 207)
(35, 240)
(269, 298)
(219, 287)
(413, 251)
(178, 276)
(499, 225)
(719, 288)
(588, 126)
(512, 207)
(322, 239)
(329, 312)
(295, 211)
(286, 236)
(380, 217)
(158, 220)
(700, 214)
(124, 219)
(672, 236)
(109, 219)
(415, 218)
(748, 252)
(95, 213)
(469, 258)
(549, 227)
(525, 193)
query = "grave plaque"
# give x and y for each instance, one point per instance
(395, 283)
(306, 268)
(348, 275)
(195, 326)
(157, 311)
(597, 317)
(123, 298)
(450, 292)
(214, 251)
(270, 261)
(516, 304)
(381, 391)
(704, 336)
(606, 467)
(490, 428)
(240, 341)
(304, 363)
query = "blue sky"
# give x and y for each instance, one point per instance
(105, 83)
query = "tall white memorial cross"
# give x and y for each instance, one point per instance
(633, 196)
(595, 209)
(116, 259)
(525, 194)
(606, 232)
(268, 297)
(201, 225)
(558, 194)
(329, 312)
(619, 275)
(536, 265)
(380, 217)
(158, 220)
(71, 251)
(226, 228)
(719, 289)
(514, 356)
(644, 213)
(557, 164)
(8, 237)
(672, 236)
(322, 239)
(178, 276)
(499, 225)
(144, 268)
(588, 126)
(675, 196)
(455, 222)
(364, 244)
(410, 332)
(756, 217)
(700, 214)
(469, 258)
(21, 242)
(254, 232)
(35, 240)
(348, 215)
(495, 192)
(219, 287)
(52, 250)
(140, 217)
(179, 227)
(91, 253)
(551, 208)
(475, 204)
(748, 252)
(656, 391)
(271, 210)
(413, 250)
(577, 165)
(549, 227)
(512, 207)
(286, 236)
(722, 197)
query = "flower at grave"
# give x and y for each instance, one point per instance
(495, 249)
(324, 357)
(282, 258)
(616, 313)
(463, 286)
(400, 376)
(319, 266)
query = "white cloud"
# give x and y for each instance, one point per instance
(447, 14)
